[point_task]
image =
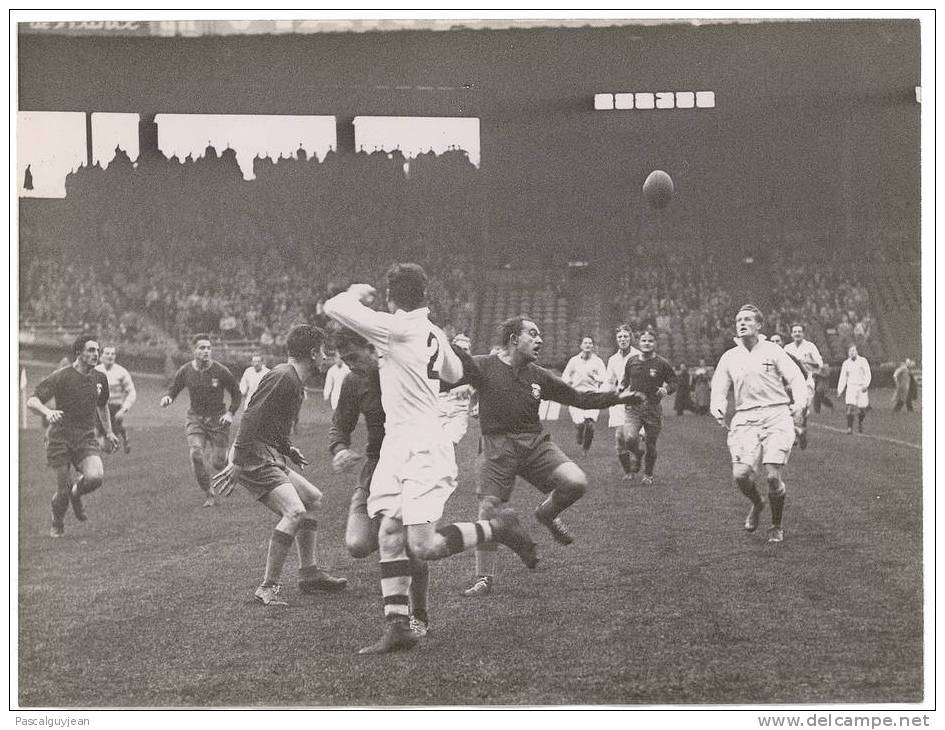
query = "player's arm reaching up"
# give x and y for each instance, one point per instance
(351, 309)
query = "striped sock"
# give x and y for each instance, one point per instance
(306, 541)
(395, 587)
(461, 536)
(279, 544)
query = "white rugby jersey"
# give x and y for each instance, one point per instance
(584, 375)
(120, 386)
(616, 365)
(413, 355)
(249, 382)
(854, 374)
(455, 402)
(807, 353)
(334, 377)
(757, 376)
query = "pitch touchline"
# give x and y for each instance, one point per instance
(871, 435)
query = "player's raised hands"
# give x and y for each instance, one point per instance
(222, 484)
(298, 458)
(365, 293)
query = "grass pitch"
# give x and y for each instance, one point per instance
(662, 599)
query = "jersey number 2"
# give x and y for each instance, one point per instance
(432, 372)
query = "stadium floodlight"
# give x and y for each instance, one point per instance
(603, 102)
(685, 100)
(665, 100)
(705, 99)
(645, 100)
(623, 101)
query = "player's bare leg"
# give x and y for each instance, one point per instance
(776, 495)
(91, 476)
(486, 553)
(649, 457)
(623, 453)
(744, 478)
(567, 483)
(197, 444)
(633, 448)
(395, 587)
(311, 577)
(588, 437)
(60, 500)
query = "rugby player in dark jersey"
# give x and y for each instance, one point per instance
(649, 378)
(258, 462)
(208, 419)
(511, 387)
(81, 394)
(361, 394)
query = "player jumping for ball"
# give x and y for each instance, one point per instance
(511, 387)
(81, 394)
(762, 429)
(416, 468)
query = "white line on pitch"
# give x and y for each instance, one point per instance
(871, 436)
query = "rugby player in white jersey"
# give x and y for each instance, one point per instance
(616, 365)
(416, 469)
(121, 393)
(585, 372)
(855, 377)
(805, 352)
(762, 430)
(455, 402)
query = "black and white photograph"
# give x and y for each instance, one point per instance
(472, 360)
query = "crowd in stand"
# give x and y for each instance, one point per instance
(160, 249)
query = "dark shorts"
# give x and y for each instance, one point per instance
(648, 416)
(262, 469)
(203, 429)
(532, 456)
(68, 445)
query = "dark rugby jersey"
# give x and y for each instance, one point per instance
(76, 395)
(509, 398)
(206, 388)
(648, 376)
(272, 410)
(360, 393)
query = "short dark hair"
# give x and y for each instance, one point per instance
(509, 327)
(302, 339)
(798, 324)
(343, 340)
(199, 336)
(759, 317)
(624, 327)
(587, 337)
(78, 346)
(407, 285)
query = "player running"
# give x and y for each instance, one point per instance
(208, 420)
(805, 352)
(511, 387)
(81, 394)
(650, 378)
(855, 378)
(616, 365)
(121, 393)
(586, 372)
(360, 394)
(416, 468)
(762, 429)
(258, 462)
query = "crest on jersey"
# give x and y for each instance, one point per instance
(98, 388)
(652, 372)
(214, 382)
(767, 364)
(536, 391)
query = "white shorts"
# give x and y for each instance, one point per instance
(455, 426)
(761, 436)
(857, 397)
(579, 416)
(415, 475)
(618, 416)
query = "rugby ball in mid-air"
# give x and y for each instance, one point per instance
(658, 189)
